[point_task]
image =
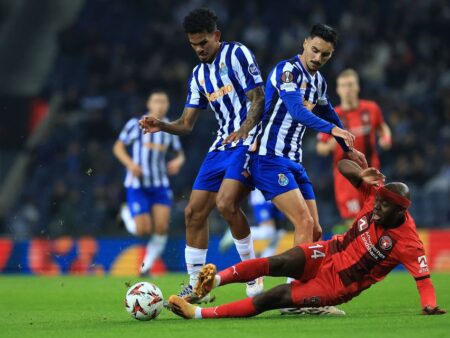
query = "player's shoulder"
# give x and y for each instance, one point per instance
(368, 104)
(132, 122)
(236, 46)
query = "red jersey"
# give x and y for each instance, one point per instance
(363, 122)
(366, 253)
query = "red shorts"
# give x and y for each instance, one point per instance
(320, 284)
(348, 199)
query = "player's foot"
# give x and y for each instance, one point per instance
(188, 294)
(206, 280)
(119, 218)
(145, 271)
(255, 287)
(226, 241)
(181, 307)
(318, 311)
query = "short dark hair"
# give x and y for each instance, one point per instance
(200, 20)
(324, 32)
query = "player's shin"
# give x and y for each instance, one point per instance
(245, 271)
(240, 308)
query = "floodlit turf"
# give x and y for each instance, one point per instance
(93, 307)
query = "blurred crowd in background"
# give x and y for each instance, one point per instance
(115, 52)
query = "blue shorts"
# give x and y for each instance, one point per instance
(231, 163)
(275, 175)
(263, 212)
(141, 200)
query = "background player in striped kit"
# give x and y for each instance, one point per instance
(365, 120)
(228, 78)
(294, 89)
(148, 192)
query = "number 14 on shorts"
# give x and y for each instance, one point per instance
(317, 251)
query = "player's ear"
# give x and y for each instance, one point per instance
(217, 35)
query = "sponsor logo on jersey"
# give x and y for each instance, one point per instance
(363, 224)
(155, 146)
(283, 180)
(222, 91)
(385, 243)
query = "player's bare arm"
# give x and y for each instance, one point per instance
(256, 97)
(384, 136)
(182, 126)
(119, 150)
(356, 175)
(175, 164)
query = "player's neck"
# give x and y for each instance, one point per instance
(349, 105)
(213, 57)
(305, 65)
(396, 223)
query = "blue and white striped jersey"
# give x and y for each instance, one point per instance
(149, 152)
(223, 83)
(281, 134)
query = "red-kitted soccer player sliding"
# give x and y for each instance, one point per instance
(334, 271)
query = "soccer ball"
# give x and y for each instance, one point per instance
(144, 301)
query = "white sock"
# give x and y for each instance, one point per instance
(155, 248)
(289, 280)
(130, 224)
(198, 312)
(245, 247)
(195, 259)
(218, 280)
(263, 232)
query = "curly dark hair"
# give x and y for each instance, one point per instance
(324, 32)
(200, 20)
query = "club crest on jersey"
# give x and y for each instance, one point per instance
(223, 69)
(363, 224)
(283, 180)
(252, 69)
(385, 243)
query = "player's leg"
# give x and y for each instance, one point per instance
(275, 298)
(294, 207)
(137, 216)
(312, 207)
(196, 214)
(201, 202)
(162, 197)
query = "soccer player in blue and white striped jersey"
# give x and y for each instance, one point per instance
(296, 99)
(229, 80)
(148, 190)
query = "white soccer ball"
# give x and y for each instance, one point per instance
(144, 301)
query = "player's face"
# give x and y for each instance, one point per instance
(158, 104)
(205, 45)
(386, 213)
(316, 53)
(347, 88)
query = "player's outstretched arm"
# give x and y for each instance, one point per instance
(356, 175)
(256, 97)
(181, 126)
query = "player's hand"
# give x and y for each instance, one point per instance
(174, 166)
(135, 169)
(372, 176)
(358, 157)
(150, 124)
(348, 137)
(385, 142)
(236, 136)
(436, 310)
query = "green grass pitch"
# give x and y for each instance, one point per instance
(69, 306)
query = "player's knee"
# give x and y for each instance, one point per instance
(226, 206)
(275, 298)
(143, 228)
(192, 217)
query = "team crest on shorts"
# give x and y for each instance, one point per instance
(385, 243)
(283, 180)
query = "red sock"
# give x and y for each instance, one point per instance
(245, 271)
(240, 308)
